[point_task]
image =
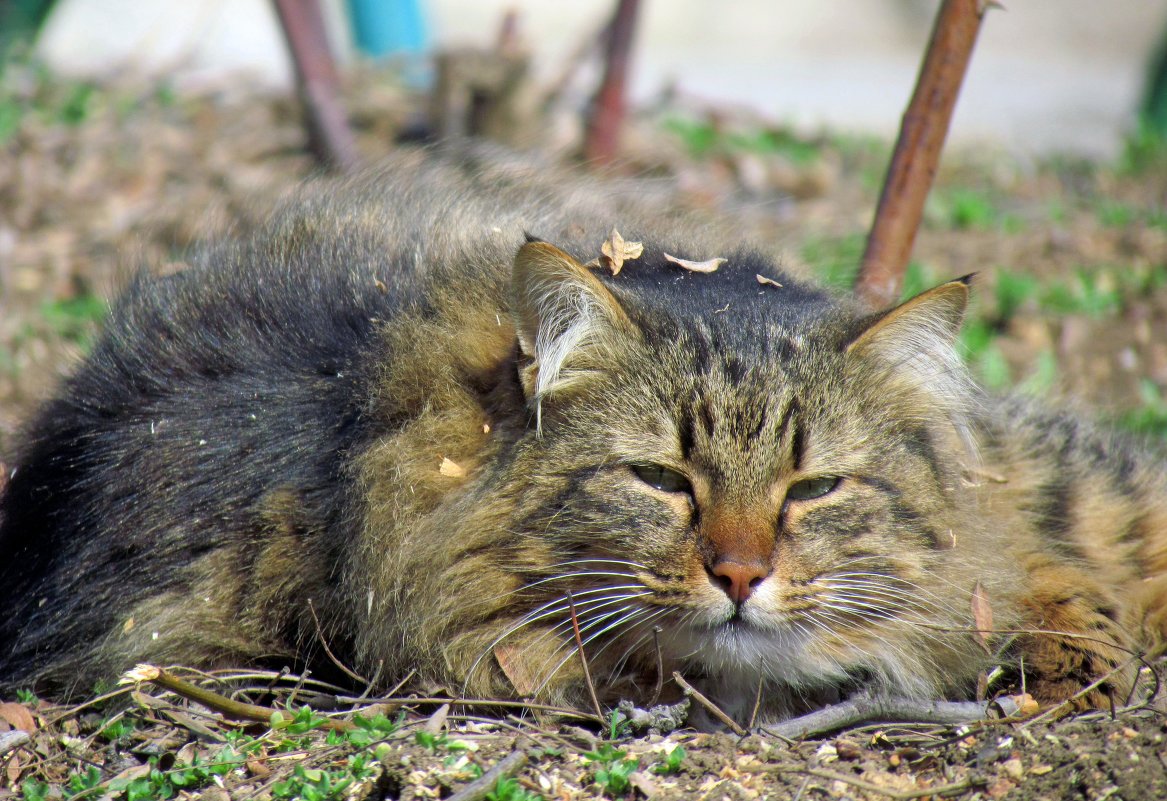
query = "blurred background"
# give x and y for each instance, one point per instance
(133, 131)
(1062, 76)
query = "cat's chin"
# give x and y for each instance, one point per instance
(740, 651)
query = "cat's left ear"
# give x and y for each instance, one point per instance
(909, 353)
(928, 321)
(569, 325)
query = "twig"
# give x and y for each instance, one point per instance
(757, 706)
(329, 136)
(478, 789)
(11, 740)
(583, 659)
(607, 113)
(564, 711)
(1058, 709)
(716, 711)
(867, 709)
(345, 669)
(660, 667)
(212, 699)
(917, 153)
(898, 795)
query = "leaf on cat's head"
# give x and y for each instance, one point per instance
(982, 612)
(764, 281)
(615, 251)
(516, 668)
(451, 468)
(707, 266)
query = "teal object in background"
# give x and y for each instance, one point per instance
(388, 27)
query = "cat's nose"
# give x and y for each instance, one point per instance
(738, 579)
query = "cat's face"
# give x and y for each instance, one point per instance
(767, 490)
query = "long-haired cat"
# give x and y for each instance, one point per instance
(425, 409)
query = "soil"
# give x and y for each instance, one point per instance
(94, 182)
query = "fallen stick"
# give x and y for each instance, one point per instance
(213, 700)
(713, 708)
(485, 784)
(872, 709)
(11, 740)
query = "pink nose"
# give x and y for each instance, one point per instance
(737, 579)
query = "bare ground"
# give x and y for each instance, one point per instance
(93, 183)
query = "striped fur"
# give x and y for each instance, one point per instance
(754, 483)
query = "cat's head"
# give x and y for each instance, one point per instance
(764, 473)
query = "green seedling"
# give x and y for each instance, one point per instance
(612, 767)
(507, 789)
(672, 762)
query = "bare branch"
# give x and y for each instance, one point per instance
(917, 153)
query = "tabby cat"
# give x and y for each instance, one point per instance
(420, 418)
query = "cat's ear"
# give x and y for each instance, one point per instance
(568, 324)
(909, 353)
(928, 321)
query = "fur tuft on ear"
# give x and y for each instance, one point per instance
(568, 324)
(912, 347)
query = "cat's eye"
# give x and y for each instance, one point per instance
(810, 488)
(662, 478)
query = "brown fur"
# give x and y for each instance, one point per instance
(836, 472)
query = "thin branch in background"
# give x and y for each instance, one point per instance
(329, 137)
(583, 659)
(660, 667)
(602, 139)
(917, 152)
(713, 708)
(345, 669)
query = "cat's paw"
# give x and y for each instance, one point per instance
(1088, 649)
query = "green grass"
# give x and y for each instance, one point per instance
(611, 767)
(835, 259)
(507, 789)
(965, 208)
(75, 319)
(701, 138)
(1151, 417)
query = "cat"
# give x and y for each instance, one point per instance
(440, 415)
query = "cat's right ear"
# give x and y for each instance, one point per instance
(910, 352)
(568, 324)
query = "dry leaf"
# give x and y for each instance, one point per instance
(18, 716)
(1027, 706)
(764, 281)
(516, 668)
(982, 614)
(708, 266)
(643, 784)
(451, 469)
(437, 720)
(131, 773)
(616, 251)
(128, 626)
(15, 768)
(257, 768)
(486, 428)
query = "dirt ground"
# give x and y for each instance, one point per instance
(1071, 260)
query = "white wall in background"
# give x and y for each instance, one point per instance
(1046, 75)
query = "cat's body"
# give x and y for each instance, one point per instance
(374, 415)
